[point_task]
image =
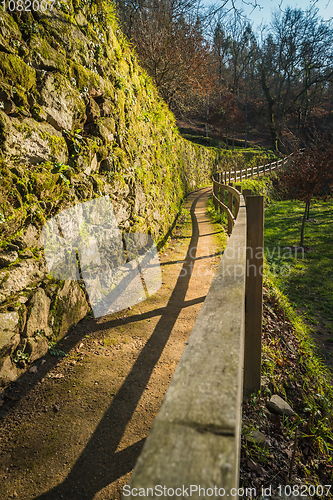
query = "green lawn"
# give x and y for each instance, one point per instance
(307, 281)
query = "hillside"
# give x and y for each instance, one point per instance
(79, 119)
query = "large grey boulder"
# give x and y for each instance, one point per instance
(28, 141)
(9, 336)
(106, 129)
(69, 307)
(7, 258)
(36, 347)
(62, 103)
(26, 273)
(38, 318)
(8, 371)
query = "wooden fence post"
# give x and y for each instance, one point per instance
(246, 192)
(215, 191)
(221, 197)
(239, 188)
(229, 176)
(253, 294)
(230, 208)
(252, 172)
(264, 170)
(258, 170)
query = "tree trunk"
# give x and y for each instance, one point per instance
(307, 206)
(245, 114)
(308, 213)
(270, 104)
(207, 115)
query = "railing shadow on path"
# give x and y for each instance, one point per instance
(21, 387)
(100, 464)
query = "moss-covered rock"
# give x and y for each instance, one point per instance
(36, 347)
(14, 69)
(27, 141)
(45, 57)
(10, 35)
(106, 129)
(62, 104)
(68, 308)
(8, 371)
(38, 314)
(9, 338)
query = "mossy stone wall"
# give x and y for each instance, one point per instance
(79, 119)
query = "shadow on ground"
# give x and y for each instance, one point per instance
(100, 464)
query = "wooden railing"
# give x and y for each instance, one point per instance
(195, 439)
(235, 175)
(254, 272)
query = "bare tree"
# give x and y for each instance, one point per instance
(295, 57)
(168, 37)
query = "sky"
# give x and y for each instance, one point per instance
(268, 6)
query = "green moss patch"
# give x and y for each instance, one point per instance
(15, 69)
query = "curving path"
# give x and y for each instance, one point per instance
(75, 428)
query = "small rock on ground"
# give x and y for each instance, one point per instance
(279, 406)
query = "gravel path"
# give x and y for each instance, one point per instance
(75, 428)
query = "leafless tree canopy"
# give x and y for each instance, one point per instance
(201, 57)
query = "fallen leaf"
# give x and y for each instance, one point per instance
(255, 467)
(78, 348)
(251, 464)
(288, 453)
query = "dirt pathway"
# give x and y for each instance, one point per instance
(75, 428)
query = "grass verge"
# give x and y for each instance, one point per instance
(305, 277)
(296, 450)
(297, 300)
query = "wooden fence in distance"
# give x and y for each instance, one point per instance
(252, 172)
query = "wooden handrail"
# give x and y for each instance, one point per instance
(195, 439)
(194, 444)
(231, 189)
(225, 208)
